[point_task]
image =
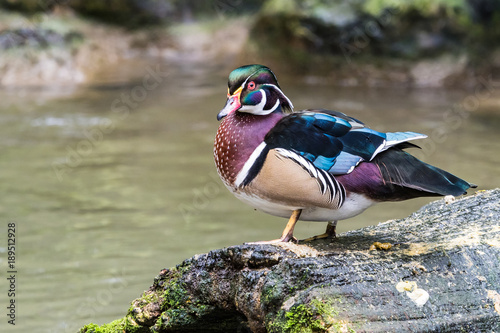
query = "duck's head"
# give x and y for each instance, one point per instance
(254, 89)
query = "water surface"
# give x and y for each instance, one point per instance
(105, 194)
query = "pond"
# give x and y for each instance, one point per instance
(109, 183)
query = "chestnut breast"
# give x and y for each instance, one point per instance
(237, 137)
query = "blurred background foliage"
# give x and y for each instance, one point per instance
(462, 35)
(394, 28)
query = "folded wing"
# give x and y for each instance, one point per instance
(332, 141)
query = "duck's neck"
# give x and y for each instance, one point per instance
(238, 136)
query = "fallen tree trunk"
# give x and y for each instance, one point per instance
(436, 270)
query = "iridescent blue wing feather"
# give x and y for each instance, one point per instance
(332, 141)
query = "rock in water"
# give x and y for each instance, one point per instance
(440, 274)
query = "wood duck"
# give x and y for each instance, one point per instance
(316, 165)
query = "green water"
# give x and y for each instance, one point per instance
(105, 194)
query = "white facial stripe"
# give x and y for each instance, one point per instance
(282, 94)
(275, 106)
(259, 108)
(248, 164)
(249, 76)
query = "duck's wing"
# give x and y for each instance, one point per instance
(331, 141)
(336, 143)
(340, 153)
(323, 143)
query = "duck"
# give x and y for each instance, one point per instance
(314, 164)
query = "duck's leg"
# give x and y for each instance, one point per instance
(329, 233)
(287, 234)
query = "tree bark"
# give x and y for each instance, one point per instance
(437, 270)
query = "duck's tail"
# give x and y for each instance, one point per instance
(400, 169)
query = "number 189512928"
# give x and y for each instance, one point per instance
(11, 245)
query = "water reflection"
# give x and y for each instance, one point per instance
(139, 192)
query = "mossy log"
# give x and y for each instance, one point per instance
(437, 270)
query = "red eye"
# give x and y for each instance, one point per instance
(251, 85)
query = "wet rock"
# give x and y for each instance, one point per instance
(36, 55)
(60, 49)
(36, 38)
(439, 274)
(436, 72)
